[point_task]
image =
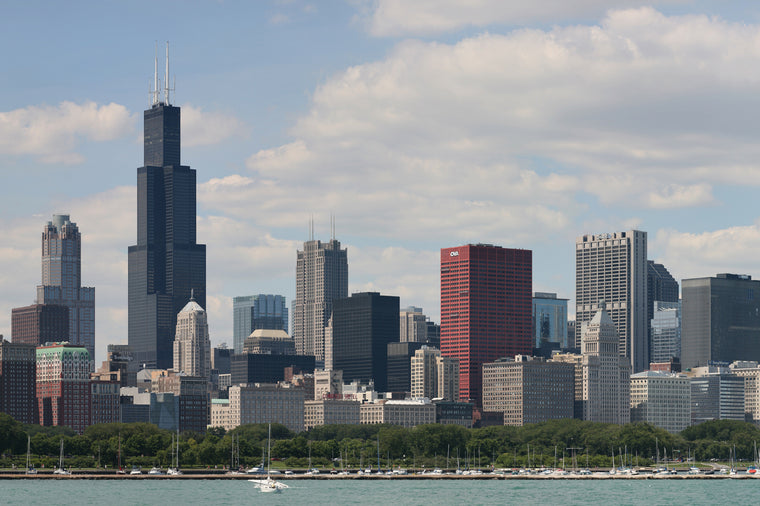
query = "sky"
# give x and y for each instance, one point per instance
(418, 124)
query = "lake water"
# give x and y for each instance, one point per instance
(371, 492)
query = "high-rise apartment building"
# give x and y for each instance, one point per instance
(716, 394)
(362, 327)
(18, 396)
(321, 278)
(166, 264)
(413, 325)
(549, 321)
(62, 280)
(63, 386)
(606, 374)
(665, 332)
(613, 268)
(39, 324)
(485, 309)
(253, 312)
(720, 320)
(192, 345)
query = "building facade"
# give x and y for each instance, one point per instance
(720, 320)
(750, 372)
(264, 368)
(63, 386)
(192, 345)
(549, 321)
(271, 342)
(717, 395)
(606, 373)
(661, 399)
(266, 403)
(413, 325)
(331, 412)
(528, 390)
(62, 280)
(251, 312)
(321, 277)
(613, 268)
(434, 376)
(398, 368)
(167, 263)
(106, 401)
(362, 327)
(485, 309)
(18, 381)
(327, 384)
(665, 332)
(407, 413)
(38, 324)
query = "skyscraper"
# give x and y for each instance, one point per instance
(62, 280)
(665, 329)
(321, 277)
(363, 325)
(413, 325)
(485, 309)
(549, 321)
(252, 312)
(613, 268)
(606, 373)
(166, 263)
(192, 346)
(720, 320)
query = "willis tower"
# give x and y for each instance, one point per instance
(166, 263)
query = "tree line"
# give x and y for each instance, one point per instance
(337, 446)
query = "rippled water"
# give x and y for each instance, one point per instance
(400, 492)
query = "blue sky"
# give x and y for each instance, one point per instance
(420, 124)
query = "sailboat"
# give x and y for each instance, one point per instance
(174, 471)
(269, 485)
(29, 467)
(60, 469)
(119, 469)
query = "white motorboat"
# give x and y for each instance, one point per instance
(155, 471)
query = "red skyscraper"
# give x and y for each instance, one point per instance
(486, 297)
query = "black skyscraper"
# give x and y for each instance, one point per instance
(363, 325)
(166, 264)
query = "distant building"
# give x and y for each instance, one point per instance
(720, 320)
(106, 401)
(192, 345)
(576, 360)
(362, 327)
(327, 383)
(453, 413)
(434, 376)
(63, 386)
(220, 359)
(331, 412)
(62, 280)
(613, 267)
(252, 312)
(413, 325)
(750, 372)
(321, 278)
(39, 324)
(266, 403)
(549, 321)
(485, 309)
(661, 399)
(716, 396)
(18, 378)
(193, 398)
(528, 390)
(119, 361)
(407, 413)
(606, 373)
(269, 342)
(398, 365)
(665, 335)
(265, 368)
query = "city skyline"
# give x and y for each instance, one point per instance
(299, 110)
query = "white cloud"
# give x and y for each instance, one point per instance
(202, 128)
(52, 134)
(386, 18)
(705, 254)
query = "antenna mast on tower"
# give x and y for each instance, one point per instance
(167, 89)
(155, 92)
